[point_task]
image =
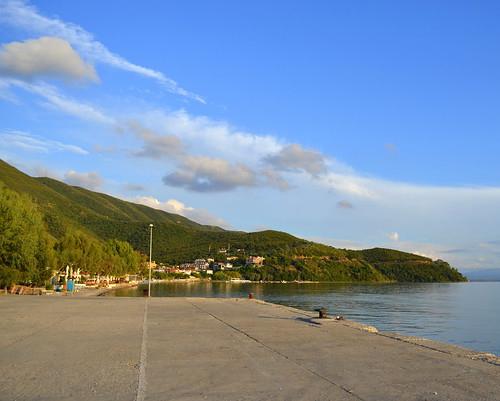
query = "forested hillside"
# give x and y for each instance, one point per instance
(65, 210)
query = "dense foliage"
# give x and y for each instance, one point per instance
(96, 223)
(313, 269)
(25, 246)
(29, 253)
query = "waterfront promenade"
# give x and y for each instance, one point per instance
(107, 348)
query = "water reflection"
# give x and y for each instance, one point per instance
(460, 313)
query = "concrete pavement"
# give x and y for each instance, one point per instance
(106, 348)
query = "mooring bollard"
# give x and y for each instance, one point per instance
(323, 313)
(250, 295)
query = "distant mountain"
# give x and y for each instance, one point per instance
(178, 239)
(483, 274)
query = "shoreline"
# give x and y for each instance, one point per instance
(403, 331)
(435, 345)
(486, 356)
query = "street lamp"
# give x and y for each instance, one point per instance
(150, 253)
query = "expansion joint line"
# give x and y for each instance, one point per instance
(350, 392)
(141, 384)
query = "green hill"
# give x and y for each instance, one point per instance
(178, 239)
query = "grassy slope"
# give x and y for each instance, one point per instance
(178, 239)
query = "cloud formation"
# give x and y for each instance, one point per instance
(350, 184)
(32, 143)
(211, 136)
(207, 174)
(156, 146)
(55, 100)
(44, 57)
(174, 206)
(22, 15)
(295, 158)
(90, 180)
(274, 179)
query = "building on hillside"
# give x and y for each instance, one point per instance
(255, 260)
(201, 264)
(171, 269)
(218, 266)
(187, 268)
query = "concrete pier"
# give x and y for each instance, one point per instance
(105, 348)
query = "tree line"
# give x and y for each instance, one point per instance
(29, 253)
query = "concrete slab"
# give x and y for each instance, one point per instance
(105, 348)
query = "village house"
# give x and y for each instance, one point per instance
(201, 264)
(186, 268)
(255, 260)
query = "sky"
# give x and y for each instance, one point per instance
(356, 124)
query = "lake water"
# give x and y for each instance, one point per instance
(466, 314)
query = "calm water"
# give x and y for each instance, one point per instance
(466, 314)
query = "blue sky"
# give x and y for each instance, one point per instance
(353, 123)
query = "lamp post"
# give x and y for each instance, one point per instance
(150, 253)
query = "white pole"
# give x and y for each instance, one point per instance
(150, 253)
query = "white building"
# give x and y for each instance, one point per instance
(201, 264)
(255, 260)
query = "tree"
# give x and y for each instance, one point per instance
(120, 258)
(79, 250)
(26, 248)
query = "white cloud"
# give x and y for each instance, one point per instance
(237, 155)
(348, 184)
(46, 56)
(214, 137)
(55, 100)
(181, 133)
(34, 143)
(6, 94)
(174, 206)
(156, 146)
(274, 179)
(394, 236)
(90, 180)
(22, 15)
(206, 174)
(266, 155)
(295, 158)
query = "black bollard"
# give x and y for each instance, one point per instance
(323, 313)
